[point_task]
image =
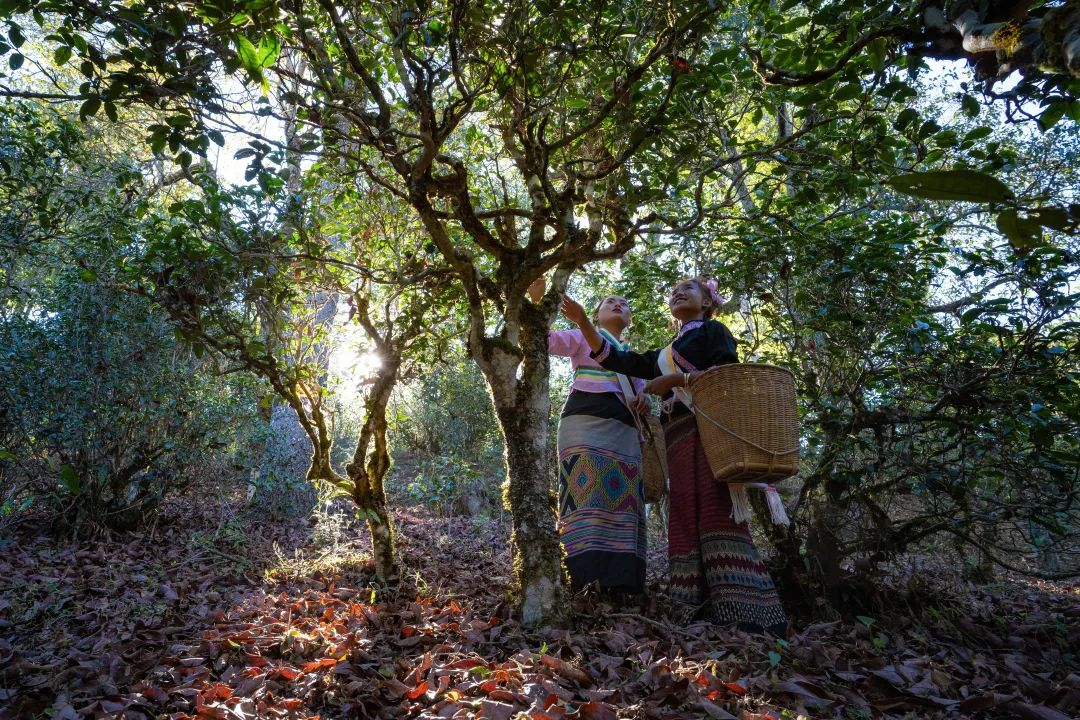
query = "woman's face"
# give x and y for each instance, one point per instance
(613, 311)
(687, 300)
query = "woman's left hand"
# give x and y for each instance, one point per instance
(663, 384)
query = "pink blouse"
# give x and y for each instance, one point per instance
(588, 375)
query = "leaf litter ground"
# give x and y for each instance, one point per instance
(208, 616)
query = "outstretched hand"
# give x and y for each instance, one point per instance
(573, 311)
(663, 385)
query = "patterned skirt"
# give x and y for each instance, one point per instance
(601, 495)
(714, 564)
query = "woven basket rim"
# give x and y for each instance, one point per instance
(718, 368)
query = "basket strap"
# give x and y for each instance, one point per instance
(628, 399)
(644, 429)
(668, 365)
(748, 441)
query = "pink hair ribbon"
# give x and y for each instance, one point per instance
(717, 301)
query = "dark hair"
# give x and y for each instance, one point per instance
(706, 313)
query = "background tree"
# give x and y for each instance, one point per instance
(104, 412)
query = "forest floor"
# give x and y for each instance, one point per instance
(209, 615)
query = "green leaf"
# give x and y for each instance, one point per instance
(848, 92)
(865, 620)
(15, 35)
(905, 118)
(1052, 217)
(970, 106)
(945, 138)
(965, 185)
(1023, 233)
(267, 52)
(246, 53)
(16, 61)
(110, 111)
(970, 315)
(62, 54)
(774, 658)
(1052, 114)
(978, 133)
(5, 455)
(87, 275)
(89, 108)
(70, 479)
(876, 53)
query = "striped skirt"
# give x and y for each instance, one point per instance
(601, 495)
(714, 564)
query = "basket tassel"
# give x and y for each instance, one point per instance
(740, 503)
(776, 507)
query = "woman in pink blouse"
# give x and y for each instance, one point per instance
(601, 494)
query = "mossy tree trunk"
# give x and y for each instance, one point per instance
(518, 381)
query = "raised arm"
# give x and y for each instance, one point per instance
(639, 365)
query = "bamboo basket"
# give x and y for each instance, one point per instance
(654, 461)
(748, 422)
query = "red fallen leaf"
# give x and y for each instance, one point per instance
(567, 670)
(500, 694)
(735, 688)
(219, 692)
(256, 660)
(408, 631)
(318, 664)
(466, 664)
(287, 673)
(593, 711)
(292, 703)
(418, 690)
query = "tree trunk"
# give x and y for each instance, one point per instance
(522, 406)
(1050, 43)
(368, 470)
